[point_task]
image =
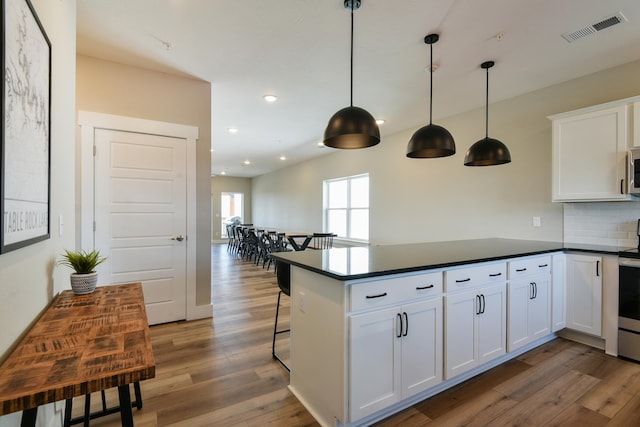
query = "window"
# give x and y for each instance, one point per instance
(346, 207)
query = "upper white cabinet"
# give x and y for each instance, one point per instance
(636, 121)
(589, 154)
(584, 293)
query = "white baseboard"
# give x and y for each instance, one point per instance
(200, 312)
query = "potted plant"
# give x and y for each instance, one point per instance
(84, 263)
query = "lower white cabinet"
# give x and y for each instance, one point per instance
(475, 328)
(394, 353)
(584, 293)
(558, 293)
(529, 310)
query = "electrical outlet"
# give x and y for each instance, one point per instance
(302, 302)
(536, 221)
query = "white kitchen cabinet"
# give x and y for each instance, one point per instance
(584, 293)
(558, 293)
(529, 310)
(475, 328)
(636, 124)
(529, 300)
(395, 353)
(589, 154)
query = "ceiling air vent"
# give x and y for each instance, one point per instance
(607, 22)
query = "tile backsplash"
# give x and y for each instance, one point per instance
(602, 223)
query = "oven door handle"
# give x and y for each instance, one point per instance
(626, 262)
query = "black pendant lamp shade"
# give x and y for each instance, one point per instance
(487, 151)
(431, 140)
(351, 127)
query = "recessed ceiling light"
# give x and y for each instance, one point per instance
(320, 144)
(223, 173)
(379, 121)
(283, 158)
(211, 149)
(247, 162)
(232, 130)
(270, 98)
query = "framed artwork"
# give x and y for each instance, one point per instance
(26, 141)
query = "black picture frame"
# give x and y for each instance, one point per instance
(25, 154)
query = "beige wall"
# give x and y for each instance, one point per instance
(112, 88)
(227, 184)
(440, 199)
(29, 277)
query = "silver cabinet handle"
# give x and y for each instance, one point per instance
(179, 238)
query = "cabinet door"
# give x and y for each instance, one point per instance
(459, 331)
(589, 156)
(584, 293)
(492, 323)
(518, 309)
(558, 293)
(374, 361)
(540, 307)
(422, 346)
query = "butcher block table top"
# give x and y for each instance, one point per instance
(80, 344)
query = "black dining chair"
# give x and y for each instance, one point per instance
(322, 240)
(283, 274)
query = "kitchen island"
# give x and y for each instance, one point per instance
(377, 329)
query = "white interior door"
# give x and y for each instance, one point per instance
(140, 217)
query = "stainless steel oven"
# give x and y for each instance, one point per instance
(629, 304)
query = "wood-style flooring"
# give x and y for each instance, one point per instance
(220, 373)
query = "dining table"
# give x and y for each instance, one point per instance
(293, 239)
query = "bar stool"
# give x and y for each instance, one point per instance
(283, 274)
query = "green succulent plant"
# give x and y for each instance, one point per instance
(82, 262)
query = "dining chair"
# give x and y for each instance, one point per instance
(322, 240)
(283, 274)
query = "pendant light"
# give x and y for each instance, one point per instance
(351, 127)
(487, 151)
(431, 140)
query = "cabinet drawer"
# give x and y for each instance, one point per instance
(463, 278)
(529, 266)
(394, 291)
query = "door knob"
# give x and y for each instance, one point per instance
(179, 238)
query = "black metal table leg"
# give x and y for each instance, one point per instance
(126, 415)
(138, 393)
(68, 405)
(29, 417)
(87, 409)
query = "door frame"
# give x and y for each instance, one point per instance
(88, 123)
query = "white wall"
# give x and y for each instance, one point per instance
(440, 199)
(120, 89)
(28, 276)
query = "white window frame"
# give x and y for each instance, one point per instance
(326, 209)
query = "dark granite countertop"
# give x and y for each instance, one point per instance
(373, 261)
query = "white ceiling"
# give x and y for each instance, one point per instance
(299, 51)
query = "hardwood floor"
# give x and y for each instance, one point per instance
(220, 373)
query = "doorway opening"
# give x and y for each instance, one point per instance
(231, 211)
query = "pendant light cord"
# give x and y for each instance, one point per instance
(351, 87)
(486, 108)
(431, 84)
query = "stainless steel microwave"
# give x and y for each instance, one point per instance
(633, 168)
